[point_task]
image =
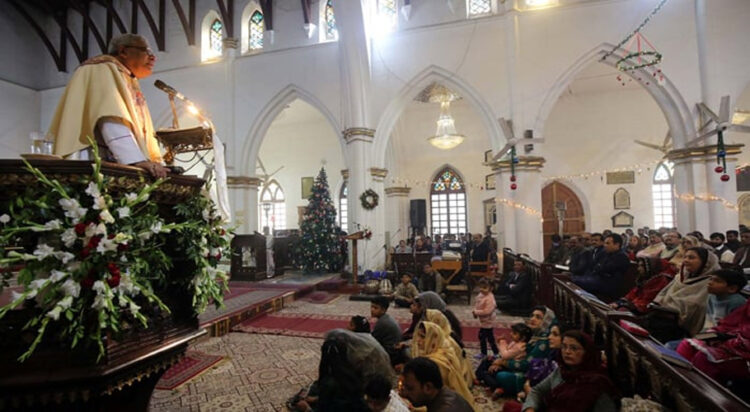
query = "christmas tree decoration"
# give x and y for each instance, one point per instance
(369, 199)
(319, 247)
(718, 169)
(725, 178)
(513, 161)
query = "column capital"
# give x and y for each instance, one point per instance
(378, 174)
(363, 134)
(345, 174)
(702, 153)
(397, 191)
(525, 163)
(230, 43)
(243, 182)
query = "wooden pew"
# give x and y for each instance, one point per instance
(634, 367)
(403, 263)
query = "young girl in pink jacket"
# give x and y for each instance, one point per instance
(484, 309)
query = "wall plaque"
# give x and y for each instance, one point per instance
(622, 219)
(620, 178)
(622, 199)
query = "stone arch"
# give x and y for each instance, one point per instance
(431, 74)
(667, 97)
(268, 114)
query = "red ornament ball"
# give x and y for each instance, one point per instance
(512, 178)
(724, 178)
(513, 186)
(718, 169)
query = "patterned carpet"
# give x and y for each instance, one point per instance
(263, 371)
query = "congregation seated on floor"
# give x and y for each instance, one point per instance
(674, 287)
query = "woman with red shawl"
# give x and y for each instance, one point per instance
(650, 281)
(726, 358)
(579, 384)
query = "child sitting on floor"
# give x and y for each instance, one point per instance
(359, 324)
(516, 348)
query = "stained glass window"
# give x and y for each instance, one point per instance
(343, 206)
(330, 24)
(387, 14)
(663, 196)
(256, 30)
(216, 35)
(272, 207)
(448, 209)
(479, 7)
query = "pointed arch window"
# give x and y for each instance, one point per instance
(329, 22)
(343, 207)
(216, 36)
(387, 15)
(272, 206)
(662, 189)
(255, 42)
(448, 203)
(478, 7)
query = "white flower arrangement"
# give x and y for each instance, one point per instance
(91, 273)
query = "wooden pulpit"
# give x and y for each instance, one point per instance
(354, 237)
(59, 378)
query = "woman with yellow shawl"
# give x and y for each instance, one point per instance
(437, 317)
(429, 341)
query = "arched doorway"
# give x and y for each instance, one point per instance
(557, 197)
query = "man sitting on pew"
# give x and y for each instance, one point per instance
(605, 276)
(514, 294)
(580, 257)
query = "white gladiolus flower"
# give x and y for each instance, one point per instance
(123, 212)
(99, 203)
(106, 245)
(73, 209)
(52, 224)
(65, 257)
(99, 287)
(56, 276)
(100, 302)
(134, 308)
(121, 238)
(93, 190)
(130, 197)
(43, 250)
(68, 237)
(206, 215)
(105, 216)
(145, 235)
(123, 259)
(15, 296)
(37, 284)
(156, 227)
(31, 294)
(54, 314)
(66, 302)
(4, 218)
(71, 288)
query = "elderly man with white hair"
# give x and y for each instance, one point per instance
(104, 101)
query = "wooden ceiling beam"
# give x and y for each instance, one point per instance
(188, 22)
(157, 30)
(227, 16)
(57, 56)
(88, 23)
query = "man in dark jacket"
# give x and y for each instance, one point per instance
(580, 257)
(557, 254)
(605, 276)
(515, 292)
(423, 386)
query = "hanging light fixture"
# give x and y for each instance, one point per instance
(446, 137)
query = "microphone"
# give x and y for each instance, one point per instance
(168, 89)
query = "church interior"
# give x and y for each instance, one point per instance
(583, 150)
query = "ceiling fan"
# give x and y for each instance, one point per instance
(265, 176)
(665, 147)
(722, 122)
(507, 127)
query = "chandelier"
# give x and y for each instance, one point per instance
(445, 137)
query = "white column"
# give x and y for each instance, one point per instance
(522, 207)
(397, 212)
(243, 192)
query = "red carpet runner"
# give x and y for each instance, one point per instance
(193, 364)
(316, 326)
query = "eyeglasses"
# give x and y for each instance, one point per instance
(572, 348)
(144, 49)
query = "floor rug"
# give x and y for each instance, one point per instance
(193, 364)
(316, 326)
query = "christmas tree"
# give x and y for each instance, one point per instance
(319, 248)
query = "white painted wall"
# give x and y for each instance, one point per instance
(19, 116)
(301, 145)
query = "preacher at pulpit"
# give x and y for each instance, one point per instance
(103, 100)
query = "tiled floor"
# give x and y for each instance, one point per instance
(262, 371)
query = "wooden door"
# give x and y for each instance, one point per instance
(574, 222)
